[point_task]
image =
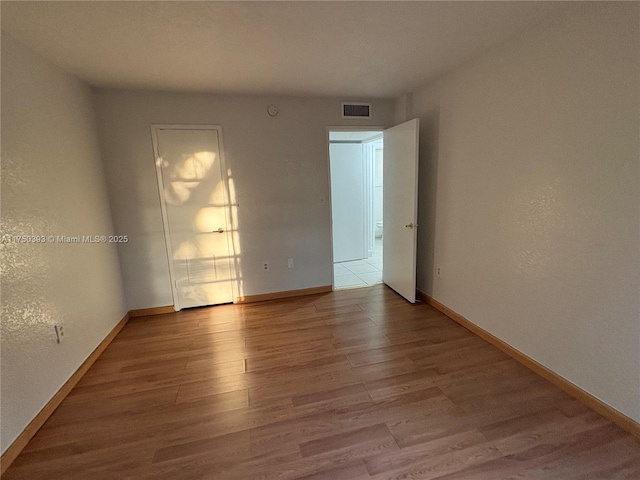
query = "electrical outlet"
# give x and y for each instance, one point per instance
(290, 262)
(265, 266)
(438, 271)
(60, 331)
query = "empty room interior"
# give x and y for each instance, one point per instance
(320, 240)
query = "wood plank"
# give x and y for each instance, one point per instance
(344, 439)
(12, 452)
(599, 406)
(147, 312)
(355, 384)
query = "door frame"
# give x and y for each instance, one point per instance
(370, 178)
(155, 127)
(343, 128)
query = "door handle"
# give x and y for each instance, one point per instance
(410, 225)
(220, 230)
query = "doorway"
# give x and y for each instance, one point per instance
(398, 181)
(194, 198)
(356, 171)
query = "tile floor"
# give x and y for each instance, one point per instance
(359, 273)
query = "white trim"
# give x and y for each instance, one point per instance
(369, 184)
(165, 218)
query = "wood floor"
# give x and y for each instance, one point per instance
(350, 385)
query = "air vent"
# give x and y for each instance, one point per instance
(356, 110)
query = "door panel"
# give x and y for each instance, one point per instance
(196, 211)
(400, 208)
(347, 201)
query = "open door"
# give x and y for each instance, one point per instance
(400, 208)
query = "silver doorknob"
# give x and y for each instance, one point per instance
(220, 230)
(409, 225)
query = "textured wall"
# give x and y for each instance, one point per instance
(530, 197)
(278, 166)
(52, 184)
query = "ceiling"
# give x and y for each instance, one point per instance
(363, 49)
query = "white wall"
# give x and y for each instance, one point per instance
(530, 196)
(348, 201)
(279, 166)
(52, 184)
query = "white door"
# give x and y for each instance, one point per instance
(195, 205)
(347, 201)
(400, 208)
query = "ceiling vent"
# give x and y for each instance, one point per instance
(356, 110)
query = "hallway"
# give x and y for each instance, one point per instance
(359, 273)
